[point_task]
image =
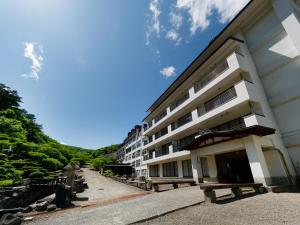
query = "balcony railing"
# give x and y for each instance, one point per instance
(179, 101)
(217, 101)
(211, 76)
(231, 125)
(181, 121)
(160, 116)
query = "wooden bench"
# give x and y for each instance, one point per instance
(155, 183)
(210, 195)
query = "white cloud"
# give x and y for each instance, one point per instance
(176, 20)
(168, 71)
(34, 51)
(173, 36)
(200, 11)
(153, 20)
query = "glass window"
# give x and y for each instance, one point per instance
(154, 171)
(170, 169)
(187, 168)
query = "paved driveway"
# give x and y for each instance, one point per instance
(125, 212)
(103, 188)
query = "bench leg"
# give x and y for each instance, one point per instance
(155, 187)
(236, 192)
(175, 186)
(210, 196)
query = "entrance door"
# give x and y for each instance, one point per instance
(234, 167)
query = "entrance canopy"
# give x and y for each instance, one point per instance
(214, 137)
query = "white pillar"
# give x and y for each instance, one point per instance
(258, 165)
(160, 170)
(180, 169)
(196, 167)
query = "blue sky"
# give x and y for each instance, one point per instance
(89, 69)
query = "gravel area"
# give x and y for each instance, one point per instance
(266, 209)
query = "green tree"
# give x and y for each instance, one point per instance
(8, 98)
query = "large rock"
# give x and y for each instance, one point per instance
(19, 214)
(41, 206)
(51, 207)
(27, 209)
(48, 199)
(10, 219)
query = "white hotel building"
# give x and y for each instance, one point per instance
(234, 114)
(131, 151)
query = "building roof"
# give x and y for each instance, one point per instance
(224, 35)
(209, 137)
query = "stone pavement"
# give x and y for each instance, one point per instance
(125, 212)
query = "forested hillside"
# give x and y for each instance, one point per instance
(26, 152)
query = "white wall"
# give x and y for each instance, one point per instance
(273, 49)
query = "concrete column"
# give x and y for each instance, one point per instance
(160, 170)
(179, 168)
(169, 129)
(195, 114)
(196, 167)
(170, 149)
(168, 110)
(258, 165)
(191, 91)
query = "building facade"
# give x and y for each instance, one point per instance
(131, 151)
(233, 114)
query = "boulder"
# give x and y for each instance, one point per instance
(10, 219)
(51, 207)
(27, 209)
(41, 206)
(19, 214)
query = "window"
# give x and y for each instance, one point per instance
(204, 165)
(186, 140)
(154, 171)
(138, 162)
(182, 120)
(165, 149)
(231, 125)
(151, 153)
(170, 169)
(187, 168)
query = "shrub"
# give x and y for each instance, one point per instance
(6, 183)
(3, 156)
(63, 160)
(15, 175)
(52, 164)
(18, 163)
(108, 173)
(98, 163)
(39, 156)
(36, 174)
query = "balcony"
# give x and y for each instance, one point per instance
(211, 76)
(232, 100)
(179, 101)
(217, 101)
(227, 71)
